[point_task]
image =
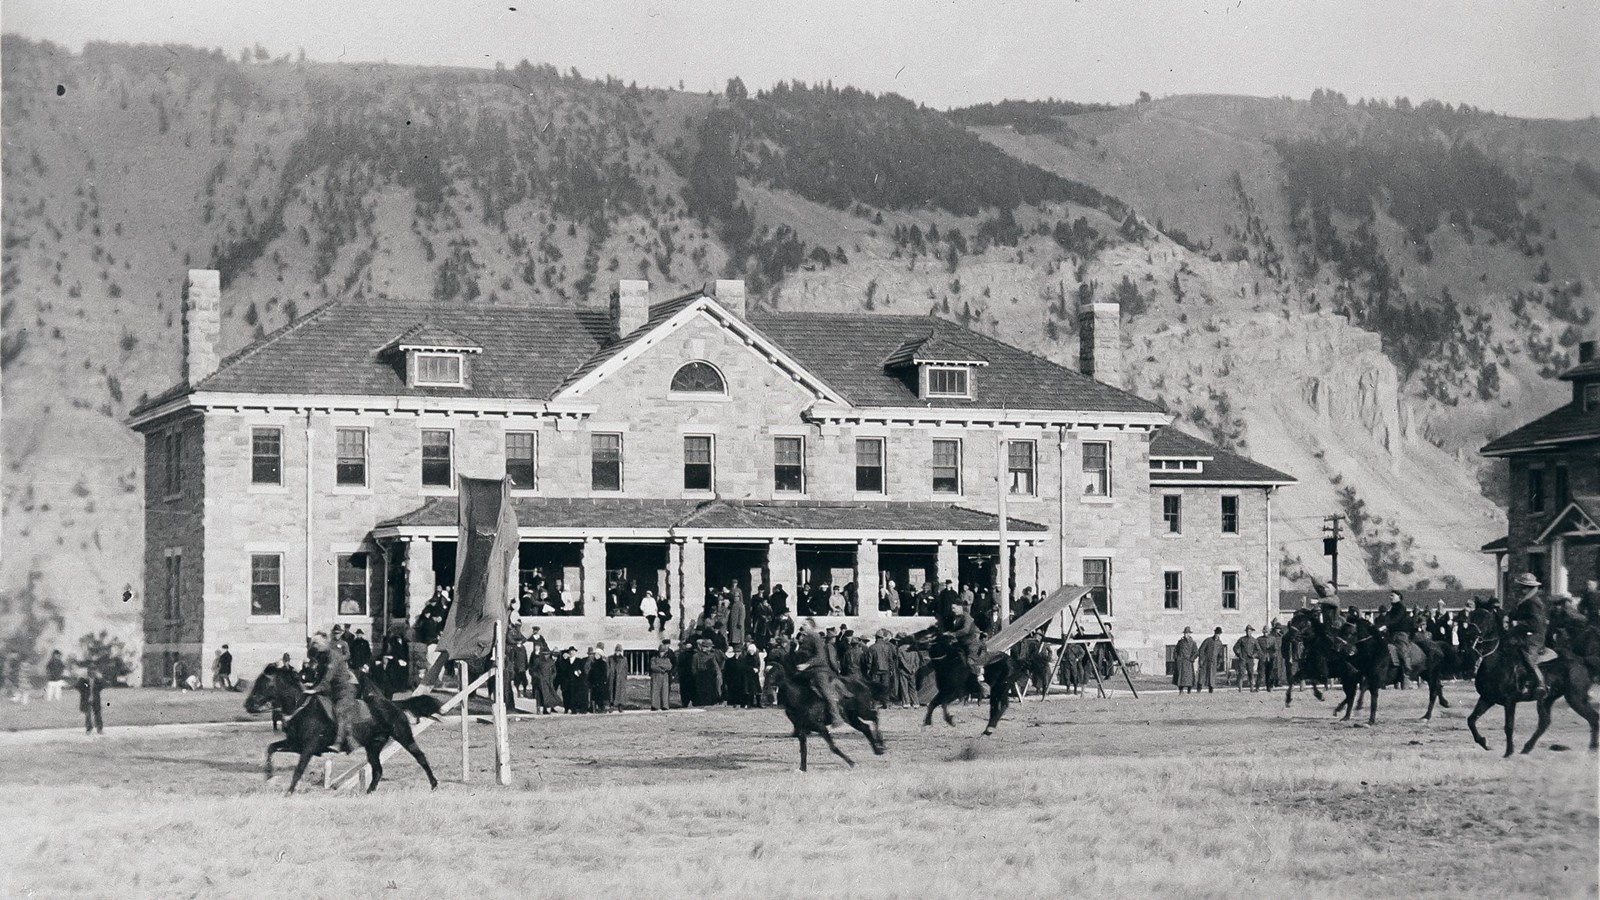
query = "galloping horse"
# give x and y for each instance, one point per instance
(808, 713)
(310, 729)
(1500, 675)
(957, 681)
(1306, 651)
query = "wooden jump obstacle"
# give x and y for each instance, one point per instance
(1054, 609)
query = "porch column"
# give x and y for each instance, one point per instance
(418, 563)
(674, 595)
(781, 566)
(869, 580)
(594, 578)
(1558, 567)
(947, 565)
(693, 602)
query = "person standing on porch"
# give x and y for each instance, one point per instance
(738, 617)
(661, 678)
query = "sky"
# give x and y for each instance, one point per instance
(1537, 58)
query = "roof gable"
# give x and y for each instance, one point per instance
(1568, 424)
(429, 335)
(666, 318)
(1581, 518)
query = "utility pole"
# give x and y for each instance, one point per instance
(1331, 536)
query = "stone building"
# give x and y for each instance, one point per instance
(1553, 523)
(309, 480)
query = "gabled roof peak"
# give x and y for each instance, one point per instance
(429, 335)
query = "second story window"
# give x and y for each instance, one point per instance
(605, 462)
(1563, 488)
(1020, 468)
(437, 461)
(697, 474)
(174, 462)
(266, 456)
(1172, 590)
(522, 459)
(1172, 513)
(1096, 469)
(869, 465)
(1230, 514)
(789, 465)
(1591, 397)
(946, 467)
(266, 584)
(350, 465)
(1230, 590)
(1536, 490)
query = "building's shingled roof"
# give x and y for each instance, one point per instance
(1366, 600)
(1585, 370)
(1498, 545)
(1220, 466)
(1015, 379)
(534, 352)
(775, 515)
(933, 348)
(1567, 424)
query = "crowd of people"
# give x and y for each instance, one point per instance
(85, 676)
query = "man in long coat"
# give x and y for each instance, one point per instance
(882, 668)
(738, 617)
(1183, 660)
(1247, 655)
(661, 678)
(1211, 654)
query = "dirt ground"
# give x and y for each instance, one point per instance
(1209, 795)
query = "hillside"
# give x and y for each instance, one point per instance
(1269, 309)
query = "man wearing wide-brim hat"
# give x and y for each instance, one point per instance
(1527, 622)
(1183, 660)
(1246, 654)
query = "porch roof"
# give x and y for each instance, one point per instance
(724, 515)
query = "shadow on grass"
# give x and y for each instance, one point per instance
(722, 761)
(216, 765)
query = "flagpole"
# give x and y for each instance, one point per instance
(1003, 576)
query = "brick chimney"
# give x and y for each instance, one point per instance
(202, 324)
(1100, 342)
(630, 307)
(1586, 352)
(730, 293)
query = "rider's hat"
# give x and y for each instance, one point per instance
(1528, 579)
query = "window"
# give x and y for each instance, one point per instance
(352, 584)
(789, 465)
(1172, 590)
(948, 382)
(1563, 488)
(174, 462)
(172, 593)
(1591, 397)
(436, 458)
(1536, 490)
(351, 449)
(1096, 470)
(1230, 590)
(605, 462)
(1230, 514)
(266, 456)
(1020, 467)
(697, 462)
(1097, 578)
(522, 459)
(869, 465)
(266, 584)
(947, 467)
(1172, 513)
(439, 370)
(698, 378)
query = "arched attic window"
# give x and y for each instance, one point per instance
(698, 378)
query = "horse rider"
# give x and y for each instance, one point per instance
(1399, 627)
(338, 686)
(814, 664)
(962, 632)
(1328, 606)
(1526, 623)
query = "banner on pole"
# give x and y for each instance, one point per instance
(486, 557)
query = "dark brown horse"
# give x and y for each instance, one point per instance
(956, 680)
(1500, 682)
(1306, 653)
(310, 730)
(808, 713)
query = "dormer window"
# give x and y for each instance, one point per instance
(436, 369)
(1176, 465)
(434, 356)
(947, 381)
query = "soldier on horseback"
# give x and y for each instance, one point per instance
(1399, 626)
(338, 687)
(1527, 623)
(812, 662)
(962, 633)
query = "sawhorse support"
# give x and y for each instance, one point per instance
(1072, 634)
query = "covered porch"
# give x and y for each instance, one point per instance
(1571, 547)
(599, 557)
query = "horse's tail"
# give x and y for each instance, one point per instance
(422, 706)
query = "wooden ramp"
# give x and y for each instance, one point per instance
(1036, 618)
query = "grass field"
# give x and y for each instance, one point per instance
(1214, 795)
